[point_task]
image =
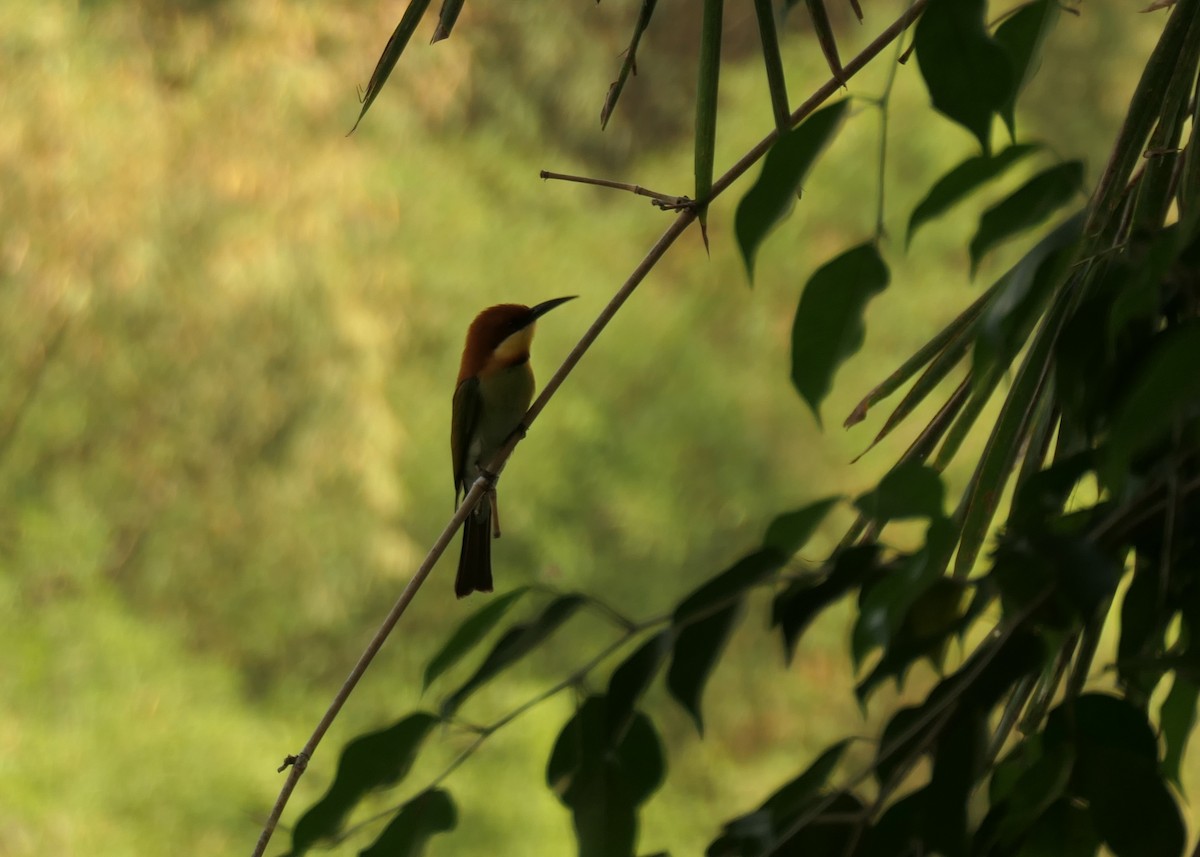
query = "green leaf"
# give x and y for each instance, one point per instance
(1131, 806)
(703, 622)
(957, 764)
(1041, 783)
(631, 679)
(426, 815)
(909, 490)
(469, 634)
(391, 53)
(369, 762)
(697, 648)
(1166, 387)
(755, 832)
(1177, 716)
(603, 783)
(708, 80)
(902, 737)
(796, 607)
(1026, 207)
(790, 158)
(1064, 830)
(825, 38)
(1009, 433)
(791, 531)
(1022, 36)
(829, 326)
(773, 62)
(882, 608)
(966, 72)
(945, 340)
(519, 641)
(447, 19)
(614, 92)
(1020, 295)
(961, 181)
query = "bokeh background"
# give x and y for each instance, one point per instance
(228, 339)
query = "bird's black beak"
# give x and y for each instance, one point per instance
(536, 312)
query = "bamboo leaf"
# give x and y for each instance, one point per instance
(630, 64)
(773, 61)
(391, 53)
(986, 486)
(707, 86)
(368, 763)
(1026, 207)
(966, 72)
(1022, 35)
(828, 326)
(963, 180)
(824, 32)
(419, 820)
(446, 20)
(519, 641)
(469, 634)
(950, 333)
(771, 198)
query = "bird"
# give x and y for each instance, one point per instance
(495, 386)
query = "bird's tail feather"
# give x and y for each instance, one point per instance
(475, 561)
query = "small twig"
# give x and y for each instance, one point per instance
(665, 201)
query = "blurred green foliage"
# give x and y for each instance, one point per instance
(230, 335)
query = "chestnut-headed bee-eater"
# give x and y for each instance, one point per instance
(495, 387)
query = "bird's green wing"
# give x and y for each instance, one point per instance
(464, 419)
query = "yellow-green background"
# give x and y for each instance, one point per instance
(229, 337)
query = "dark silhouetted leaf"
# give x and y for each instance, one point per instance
(391, 53)
(754, 833)
(369, 762)
(957, 763)
(1026, 207)
(1022, 35)
(1167, 386)
(473, 629)
(630, 63)
(825, 38)
(697, 648)
(961, 181)
(708, 80)
(796, 607)
(945, 340)
(904, 735)
(773, 62)
(631, 679)
(791, 531)
(828, 326)
(703, 622)
(1177, 716)
(898, 831)
(418, 821)
(517, 642)
(603, 783)
(774, 193)
(909, 490)
(1020, 296)
(966, 72)
(882, 608)
(1041, 781)
(1064, 830)
(1131, 806)
(446, 20)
